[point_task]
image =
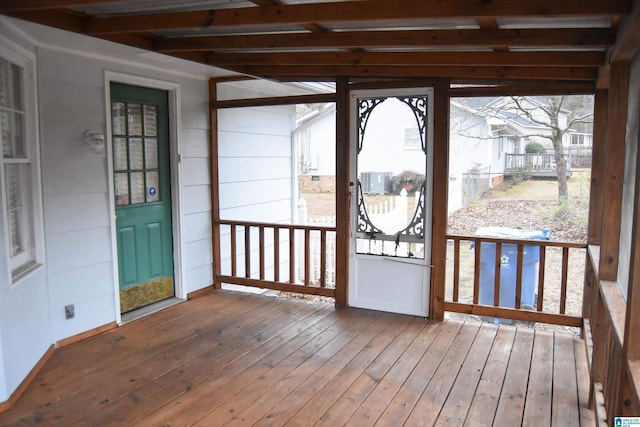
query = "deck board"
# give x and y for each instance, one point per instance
(237, 359)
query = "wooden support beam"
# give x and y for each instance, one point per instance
(596, 209)
(524, 88)
(350, 11)
(400, 71)
(214, 178)
(439, 198)
(614, 170)
(343, 192)
(442, 59)
(576, 37)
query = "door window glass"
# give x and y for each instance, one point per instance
(135, 153)
(391, 179)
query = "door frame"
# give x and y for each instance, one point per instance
(174, 100)
(427, 263)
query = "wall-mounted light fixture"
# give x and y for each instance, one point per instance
(95, 140)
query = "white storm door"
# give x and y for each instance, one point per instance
(391, 183)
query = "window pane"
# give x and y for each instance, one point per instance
(16, 80)
(117, 118)
(135, 119)
(151, 153)
(122, 189)
(137, 187)
(13, 189)
(120, 154)
(17, 188)
(135, 154)
(19, 141)
(153, 189)
(150, 120)
(5, 127)
(4, 83)
(15, 228)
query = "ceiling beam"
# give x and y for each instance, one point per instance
(312, 72)
(592, 37)
(474, 59)
(626, 46)
(17, 5)
(628, 41)
(354, 11)
(57, 18)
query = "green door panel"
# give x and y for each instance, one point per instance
(142, 182)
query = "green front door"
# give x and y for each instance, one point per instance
(140, 141)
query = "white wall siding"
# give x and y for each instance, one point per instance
(255, 169)
(73, 88)
(629, 188)
(25, 331)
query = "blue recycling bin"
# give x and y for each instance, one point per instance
(509, 265)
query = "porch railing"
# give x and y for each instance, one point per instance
(283, 257)
(476, 264)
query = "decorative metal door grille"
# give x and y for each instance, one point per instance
(376, 233)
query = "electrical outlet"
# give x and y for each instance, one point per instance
(69, 311)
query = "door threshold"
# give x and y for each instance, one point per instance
(149, 309)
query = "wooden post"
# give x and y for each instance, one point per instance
(343, 191)
(213, 170)
(599, 149)
(439, 198)
(614, 170)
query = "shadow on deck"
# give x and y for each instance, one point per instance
(232, 358)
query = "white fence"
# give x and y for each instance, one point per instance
(389, 215)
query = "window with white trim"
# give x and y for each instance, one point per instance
(17, 166)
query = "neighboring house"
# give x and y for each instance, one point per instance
(476, 146)
(58, 274)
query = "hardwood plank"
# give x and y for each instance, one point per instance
(261, 395)
(485, 401)
(292, 387)
(114, 347)
(175, 359)
(432, 399)
(587, 416)
(375, 404)
(229, 358)
(128, 370)
(457, 405)
(202, 388)
(326, 397)
(400, 407)
(159, 380)
(565, 410)
(342, 410)
(537, 411)
(512, 399)
(290, 403)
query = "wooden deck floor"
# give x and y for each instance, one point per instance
(238, 359)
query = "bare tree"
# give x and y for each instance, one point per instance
(547, 113)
